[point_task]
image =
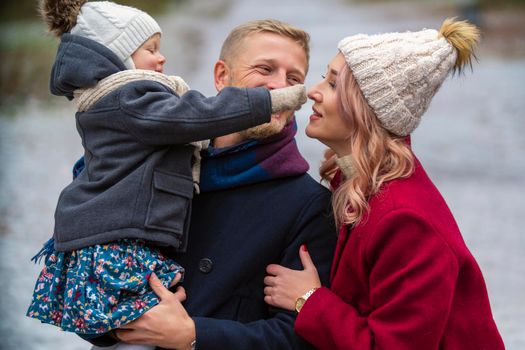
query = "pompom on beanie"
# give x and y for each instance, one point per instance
(399, 73)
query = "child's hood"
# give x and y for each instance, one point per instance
(81, 63)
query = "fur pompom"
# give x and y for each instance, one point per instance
(60, 15)
(464, 37)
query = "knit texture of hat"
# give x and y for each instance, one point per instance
(399, 73)
(123, 29)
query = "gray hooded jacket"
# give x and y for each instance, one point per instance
(137, 182)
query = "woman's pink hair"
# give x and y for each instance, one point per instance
(378, 155)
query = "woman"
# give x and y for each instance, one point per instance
(403, 277)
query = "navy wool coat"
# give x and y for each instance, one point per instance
(234, 235)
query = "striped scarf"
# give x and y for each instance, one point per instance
(252, 161)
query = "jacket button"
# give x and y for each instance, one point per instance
(205, 265)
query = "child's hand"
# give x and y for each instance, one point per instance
(288, 98)
(181, 86)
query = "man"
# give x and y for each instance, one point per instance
(257, 206)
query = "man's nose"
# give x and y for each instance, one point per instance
(277, 80)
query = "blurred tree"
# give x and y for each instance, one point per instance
(11, 10)
(15, 10)
(471, 11)
(501, 3)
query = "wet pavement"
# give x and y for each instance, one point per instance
(471, 141)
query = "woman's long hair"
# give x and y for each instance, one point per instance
(378, 155)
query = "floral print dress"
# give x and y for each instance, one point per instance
(93, 290)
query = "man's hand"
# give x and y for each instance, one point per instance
(167, 324)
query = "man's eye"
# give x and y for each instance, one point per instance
(264, 69)
(294, 80)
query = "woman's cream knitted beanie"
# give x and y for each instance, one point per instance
(399, 73)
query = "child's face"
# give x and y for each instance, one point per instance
(148, 55)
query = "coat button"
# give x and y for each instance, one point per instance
(205, 265)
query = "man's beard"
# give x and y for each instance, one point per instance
(275, 126)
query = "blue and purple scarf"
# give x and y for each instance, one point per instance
(252, 161)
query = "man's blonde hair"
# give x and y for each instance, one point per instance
(234, 41)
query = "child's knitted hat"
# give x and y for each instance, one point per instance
(399, 73)
(122, 29)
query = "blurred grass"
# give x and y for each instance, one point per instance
(482, 4)
(19, 10)
(26, 55)
(27, 51)
(502, 22)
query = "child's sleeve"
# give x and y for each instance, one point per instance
(157, 116)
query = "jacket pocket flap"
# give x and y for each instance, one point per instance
(171, 183)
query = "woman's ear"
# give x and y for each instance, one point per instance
(221, 75)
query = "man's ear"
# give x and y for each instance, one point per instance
(221, 75)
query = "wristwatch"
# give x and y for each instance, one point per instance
(302, 299)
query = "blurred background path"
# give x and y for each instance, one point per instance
(472, 139)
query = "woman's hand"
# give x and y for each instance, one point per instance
(284, 286)
(167, 324)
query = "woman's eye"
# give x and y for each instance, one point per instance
(331, 83)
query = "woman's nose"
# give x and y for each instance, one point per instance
(314, 94)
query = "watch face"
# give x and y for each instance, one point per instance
(299, 304)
